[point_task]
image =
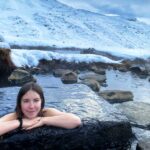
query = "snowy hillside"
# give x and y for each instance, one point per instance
(50, 22)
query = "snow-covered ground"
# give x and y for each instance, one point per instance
(116, 27)
(26, 58)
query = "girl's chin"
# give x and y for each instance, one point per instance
(31, 116)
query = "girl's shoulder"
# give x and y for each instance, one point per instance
(9, 117)
(51, 112)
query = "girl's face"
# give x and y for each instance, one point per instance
(31, 104)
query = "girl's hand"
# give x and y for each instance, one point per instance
(26, 123)
(38, 123)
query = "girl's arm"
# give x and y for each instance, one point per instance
(67, 121)
(54, 117)
(10, 122)
(8, 126)
(57, 118)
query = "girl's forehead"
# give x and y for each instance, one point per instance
(31, 93)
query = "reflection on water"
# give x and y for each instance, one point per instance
(127, 81)
(8, 99)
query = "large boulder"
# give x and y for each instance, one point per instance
(141, 71)
(91, 75)
(20, 77)
(98, 70)
(116, 96)
(6, 64)
(93, 84)
(69, 77)
(92, 135)
(60, 72)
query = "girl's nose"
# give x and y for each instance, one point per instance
(31, 104)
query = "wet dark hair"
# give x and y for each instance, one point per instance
(24, 89)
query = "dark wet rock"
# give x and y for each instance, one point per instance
(88, 51)
(46, 66)
(6, 64)
(138, 113)
(131, 19)
(92, 75)
(20, 77)
(116, 96)
(140, 71)
(69, 77)
(93, 134)
(98, 70)
(30, 47)
(122, 68)
(143, 145)
(33, 70)
(136, 69)
(137, 66)
(147, 66)
(103, 53)
(51, 65)
(140, 67)
(60, 72)
(93, 84)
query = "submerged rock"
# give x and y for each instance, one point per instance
(138, 113)
(143, 145)
(143, 138)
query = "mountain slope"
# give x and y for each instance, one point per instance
(52, 23)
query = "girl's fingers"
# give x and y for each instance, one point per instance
(29, 128)
(33, 123)
(36, 124)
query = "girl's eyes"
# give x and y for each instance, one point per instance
(27, 100)
(36, 100)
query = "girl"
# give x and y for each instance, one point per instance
(30, 112)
